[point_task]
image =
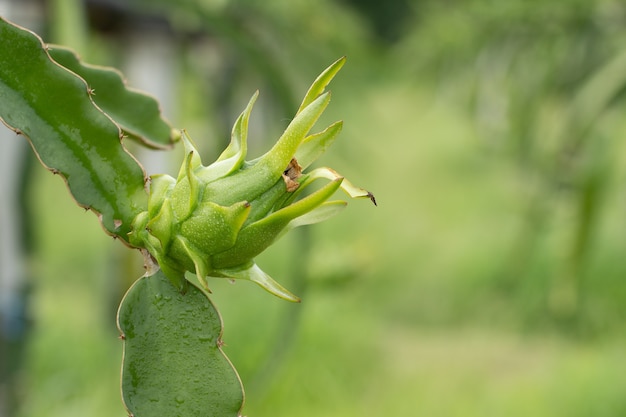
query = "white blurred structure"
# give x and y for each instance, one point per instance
(13, 274)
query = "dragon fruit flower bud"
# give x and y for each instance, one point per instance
(214, 220)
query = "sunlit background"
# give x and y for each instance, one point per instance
(489, 281)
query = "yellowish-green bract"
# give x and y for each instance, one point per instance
(213, 220)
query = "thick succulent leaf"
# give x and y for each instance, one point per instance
(256, 274)
(313, 146)
(173, 363)
(52, 107)
(137, 113)
(320, 83)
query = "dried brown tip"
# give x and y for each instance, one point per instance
(291, 174)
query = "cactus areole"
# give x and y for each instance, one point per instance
(214, 220)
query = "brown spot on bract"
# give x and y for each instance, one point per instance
(291, 174)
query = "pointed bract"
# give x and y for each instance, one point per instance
(321, 82)
(256, 274)
(234, 155)
(314, 146)
(281, 153)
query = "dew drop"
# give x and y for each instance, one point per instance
(204, 337)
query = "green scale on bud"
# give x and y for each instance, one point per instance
(214, 220)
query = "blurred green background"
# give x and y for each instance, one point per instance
(489, 281)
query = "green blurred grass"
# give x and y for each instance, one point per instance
(405, 313)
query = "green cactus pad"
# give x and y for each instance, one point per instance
(72, 137)
(137, 113)
(173, 363)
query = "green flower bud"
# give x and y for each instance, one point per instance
(214, 220)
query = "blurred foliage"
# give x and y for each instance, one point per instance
(386, 19)
(490, 279)
(543, 82)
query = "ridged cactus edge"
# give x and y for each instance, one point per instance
(56, 110)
